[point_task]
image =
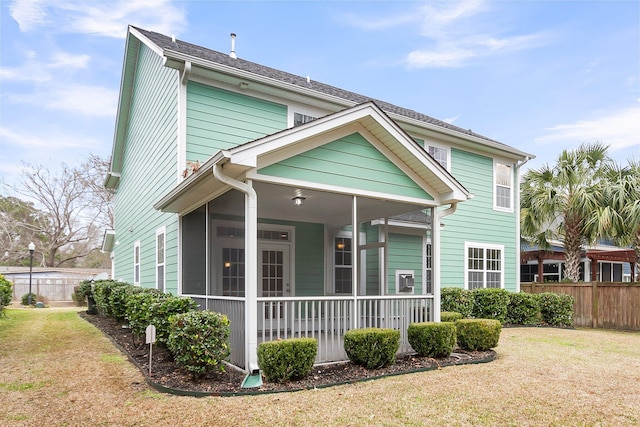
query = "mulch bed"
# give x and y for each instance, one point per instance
(168, 377)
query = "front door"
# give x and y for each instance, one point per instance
(274, 278)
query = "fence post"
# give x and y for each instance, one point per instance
(595, 304)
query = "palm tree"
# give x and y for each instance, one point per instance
(556, 202)
(618, 215)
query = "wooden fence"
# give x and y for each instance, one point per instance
(53, 289)
(598, 304)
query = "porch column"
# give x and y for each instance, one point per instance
(355, 256)
(435, 264)
(251, 278)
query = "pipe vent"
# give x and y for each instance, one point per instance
(232, 54)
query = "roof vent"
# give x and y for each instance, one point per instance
(173, 38)
(232, 54)
(308, 79)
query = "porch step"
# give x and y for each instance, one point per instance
(252, 380)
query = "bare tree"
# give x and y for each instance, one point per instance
(67, 223)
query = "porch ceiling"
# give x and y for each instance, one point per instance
(333, 210)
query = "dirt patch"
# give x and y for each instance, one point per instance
(167, 376)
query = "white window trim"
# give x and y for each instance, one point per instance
(161, 231)
(484, 246)
(495, 186)
(428, 144)
(136, 247)
(303, 109)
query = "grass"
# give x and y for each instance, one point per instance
(55, 369)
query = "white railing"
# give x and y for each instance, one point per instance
(323, 318)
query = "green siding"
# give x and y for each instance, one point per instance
(475, 220)
(218, 120)
(348, 162)
(148, 172)
(405, 253)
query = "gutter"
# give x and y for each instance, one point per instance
(253, 379)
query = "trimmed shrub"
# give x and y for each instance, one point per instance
(523, 309)
(490, 303)
(432, 339)
(450, 316)
(198, 341)
(6, 293)
(101, 292)
(283, 360)
(478, 334)
(153, 307)
(456, 299)
(118, 300)
(24, 300)
(372, 347)
(82, 292)
(556, 309)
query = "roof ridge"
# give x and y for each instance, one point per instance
(205, 53)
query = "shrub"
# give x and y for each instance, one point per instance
(523, 309)
(118, 300)
(432, 339)
(82, 292)
(478, 334)
(456, 299)
(153, 307)
(556, 309)
(101, 292)
(372, 347)
(25, 299)
(287, 359)
(198, 341)
(6, 293)
(490, 303)
(450, 316)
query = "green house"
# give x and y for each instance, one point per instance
(297, 208)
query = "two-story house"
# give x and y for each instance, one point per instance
(297, 208)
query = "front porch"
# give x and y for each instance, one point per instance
(323, 318)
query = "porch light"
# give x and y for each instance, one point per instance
(227, 264)
(298, 201)
(340, 245)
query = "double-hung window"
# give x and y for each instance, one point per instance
(440, 155)
(484, 266)
(343, 267)
(503, 179)
(160, 258)
(136, 263)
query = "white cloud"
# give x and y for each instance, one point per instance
(49, 141)
(109, 19)
(450, 120)
(36, 71)
(618, 129)
(81, 99)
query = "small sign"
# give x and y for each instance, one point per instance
(151, 334)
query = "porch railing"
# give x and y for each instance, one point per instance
(323, 318)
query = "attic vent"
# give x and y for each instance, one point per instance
(232, 54)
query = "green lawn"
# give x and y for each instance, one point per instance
(56, 369)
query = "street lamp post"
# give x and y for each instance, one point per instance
(32, 248)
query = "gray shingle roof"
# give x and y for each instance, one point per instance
(179, 46)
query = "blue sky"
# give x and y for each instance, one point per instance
(541, 76)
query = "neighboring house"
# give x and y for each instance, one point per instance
(52, 283)
(599, 263)
(240, 186)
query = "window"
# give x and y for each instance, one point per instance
(440, 155)
(484, 266)
(300, 119)
(503, 182)
(160, 258)
(136, 263)
(343, 271)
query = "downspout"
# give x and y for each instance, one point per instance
(251, 266)
(516, 207)
(438, 216)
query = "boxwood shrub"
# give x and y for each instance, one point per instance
(102, 291)
(198, 341)
(118, 300)
(490, 303)
(372, 347)
(287, 359)
(6, 293)
(556, 309)
(478, 334)
(153, 307)
(456, 299)
(523, 309)
(450, 316)
(432, 339)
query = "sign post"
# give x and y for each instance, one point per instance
(150, 339)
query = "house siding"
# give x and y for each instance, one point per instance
(476, 221)
(218, 120)
(405, 253)
(348, 162)
(148, 172)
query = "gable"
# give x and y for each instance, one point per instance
(350, 162)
